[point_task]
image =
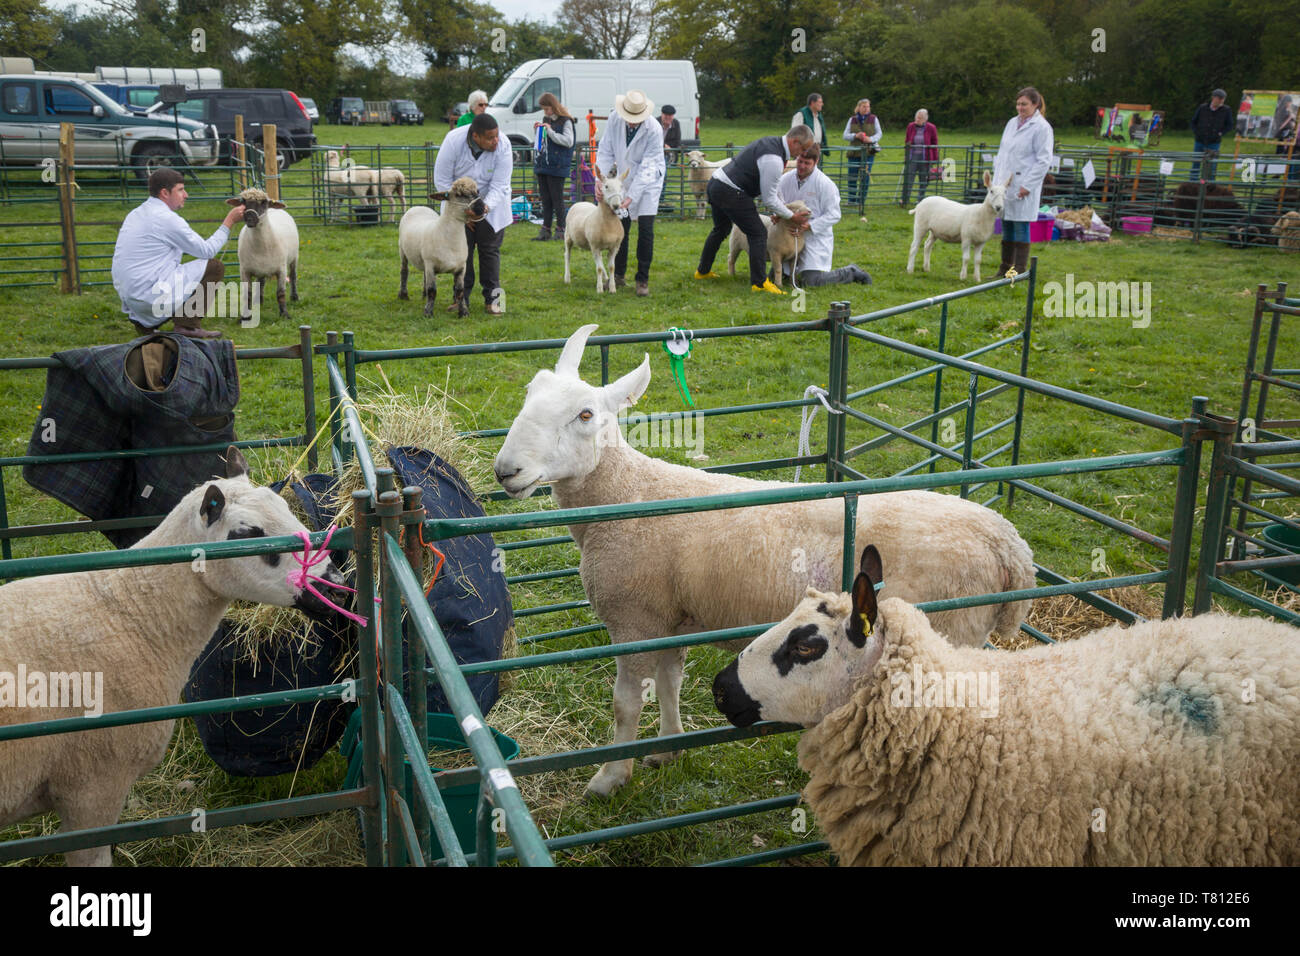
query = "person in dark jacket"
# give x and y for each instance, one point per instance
(672, 130)
(553, 163)
(1210, 121)
(921, 151)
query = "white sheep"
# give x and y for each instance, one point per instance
(597, 227)
(132, 633)
(392, 186)
(433, 243)
(651, 577)
(738, 242)
(268, 246)
(1287, 229)
(347, 182)
(1166, 743)
(970, 224)
(782, 245)
(701, 171)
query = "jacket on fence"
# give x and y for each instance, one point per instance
(931, 134)
(806, 117)
(869, 124)
(822, 197)
(1024, 156)
(642, 159)
(756, 171)
(1209, 125)
(147, 272)
(157, 391)
(555, 158)
(490, 169)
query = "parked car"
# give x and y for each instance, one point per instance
(345, 110)
(456, 112)
(293, 132)
(312, 112)
(406, 112)
(137, 97)
(32, 107)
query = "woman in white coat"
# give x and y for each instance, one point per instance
(635, 148)
(1023, 158)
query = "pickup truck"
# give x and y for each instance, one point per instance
(107, 134)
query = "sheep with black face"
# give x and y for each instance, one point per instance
(268, 246)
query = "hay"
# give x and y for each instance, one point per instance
(1172, 232)
(1082, 217)
(1063, 617)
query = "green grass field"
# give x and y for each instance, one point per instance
(1195, 344)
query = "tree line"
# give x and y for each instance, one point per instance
(963, 61)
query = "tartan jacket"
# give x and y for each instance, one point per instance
(91, 405)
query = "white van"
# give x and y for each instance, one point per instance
(591, 85)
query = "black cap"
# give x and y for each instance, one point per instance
(1221, 94)
(669, 110)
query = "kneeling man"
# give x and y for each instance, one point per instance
(819, 194)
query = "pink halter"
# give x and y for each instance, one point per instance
(303, 577)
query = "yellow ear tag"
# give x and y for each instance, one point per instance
(866, 625)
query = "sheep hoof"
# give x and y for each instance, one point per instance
(661, 760)
(607, 780)
(403, 296)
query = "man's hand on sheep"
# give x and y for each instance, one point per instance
(800, 217)
(233, 215)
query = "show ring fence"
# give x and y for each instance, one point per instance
(388, 566)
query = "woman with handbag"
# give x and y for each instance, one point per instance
(553, 162)
(921, 141)
(863, 131)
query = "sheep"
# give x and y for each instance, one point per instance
(782, 245)
(392, 186)
(348, 182)
(434, 243)
(137, 631)
(650, 577)
(1217, 201)
(971, 225)
(1287, 229)
(267, 248)
(1166, 743)
(597, 227)
(1252, 229)
(701, 171)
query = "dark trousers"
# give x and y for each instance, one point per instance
(919, 168)
(860, 177)
(732, 207)
(1211, 152)
(645, 248)
(552, 190)
(488, 242)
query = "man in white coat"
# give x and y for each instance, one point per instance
(148, 275)
(634, 147)
(479, 151)
(1023, 159)
(814, 188)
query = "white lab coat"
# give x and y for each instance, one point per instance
(823, 200)
(1025, 155)
(642, 160)
(147, 271)
(491, 171)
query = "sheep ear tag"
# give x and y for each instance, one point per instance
(678, 348)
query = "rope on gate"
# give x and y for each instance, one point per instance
(806, 419)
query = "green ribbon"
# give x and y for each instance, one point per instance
(677, 361)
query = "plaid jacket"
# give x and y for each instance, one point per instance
(90, 405)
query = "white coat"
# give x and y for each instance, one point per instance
(147, 271)
(823, 200)
(491, 171)
(1025, 155)
(642, 160)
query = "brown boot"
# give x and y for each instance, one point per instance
(620, 281)
(195, 332)
(642, 288)
(1008, 257)
(1022, 258)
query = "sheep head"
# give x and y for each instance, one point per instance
(463, 194)
(232, 508)
(996, 196)
(612, 189)
(695, 159)
(808, 665)
(565, 423)
(1287, 224)
(255, 203)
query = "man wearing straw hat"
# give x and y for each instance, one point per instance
(634, 148)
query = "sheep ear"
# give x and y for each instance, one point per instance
(571, 355)
(236, 463)
(863, 618)
(988, 177)
(438, 197)
(626, 390)
(237, 201)
(214, 502)
(277, 205)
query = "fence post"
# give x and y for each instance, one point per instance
(240, 153)
(308, 393)
(938, 379)
(374, 812)
(412, 518)
(972, 397)
(70, 281)
(271, 161)
(1222, 430)
(389, 508)
(837, 386)
(1200, 206)
(1180, 537)
(1026, 332)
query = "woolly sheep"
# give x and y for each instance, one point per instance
(433, 243)
(392, 186)
(140, 629)
(1287, 229)
(597, 227)
(268, 246)
(970, 224)
(650, 577)
(700, 172)
(782, 245)
(348, 182)
(1166, 743)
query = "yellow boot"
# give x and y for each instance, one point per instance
(767, 286)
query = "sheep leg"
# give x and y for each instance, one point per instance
(778, 266)
(279, 295)
(668, 688)
(979, 252)
(458, 292)
(293, 281)
(566, 258)
(430, 291)
(929, 244)
(90, 807)
(401, 291)
(628, 688)
(599, 256)
(965, 258)
(732, 255)
(911, 255)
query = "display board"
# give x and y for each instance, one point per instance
(1131, 124)
(1268, 115)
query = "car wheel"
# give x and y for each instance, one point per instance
(151, 156)
(283, 157)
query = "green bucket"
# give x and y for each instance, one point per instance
(443, 732)
(1287, 539)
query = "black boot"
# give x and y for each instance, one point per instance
(1008, 257)
(1022, 258)
(543, 234)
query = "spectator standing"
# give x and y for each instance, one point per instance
(922, 145)
(1023, 159)
(811, 116)
(814, 188)
(1210, 121)
(635, 148)
(864, 132)
(672, 128)
(553, 163)
(478, 101)
(480, 152)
